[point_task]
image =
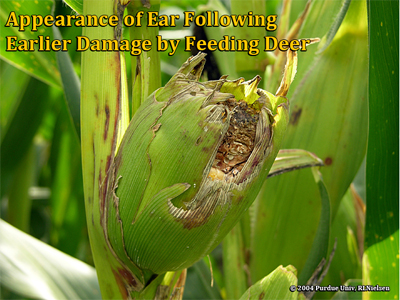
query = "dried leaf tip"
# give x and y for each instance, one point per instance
(290, 70)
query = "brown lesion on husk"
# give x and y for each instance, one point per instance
(128, 272)
(196, 217)
(125, 275)
(295, 116)
(172, 292)
(121, 284)
(119, 8)
(235, 162)
(203, 205)
(127, 280)
(238, 142)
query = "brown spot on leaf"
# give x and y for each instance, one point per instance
(108, 164)
(156, 127)
(107, 122)
(100, 179)
(294, 118)
(199, 140)
(121, 285)
(118, 161)
(328, 161)
(247, 256)
(206, 149)
(96, 97)
(103, 185)
(261, 296)
(101, 189)
(127, 276)
(238, 199)
(181, 280)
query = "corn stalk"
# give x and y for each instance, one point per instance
(104, 118)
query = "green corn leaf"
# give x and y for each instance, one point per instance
(40, 64)
(274, 286)
(349, 295)
(284, 18)
(19, 202)
(22, 128)
(345, 228)
(35, 270)
(319, 248)
(296, 9)
(246, 65)
(319, 21)
(76, 5)
(198, 283)
(293, 159)
(13, 85)
(353, 250)
(234, 261)
(381, 256)
(104, 118)
(328, 118)
(71, 84)
(223, 59)
(66, 199)
(146, 68)
(335, 26)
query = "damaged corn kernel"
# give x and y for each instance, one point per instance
(238, 142)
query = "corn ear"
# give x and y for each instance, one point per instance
(180, 183)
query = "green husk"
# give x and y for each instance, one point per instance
(165, 208)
